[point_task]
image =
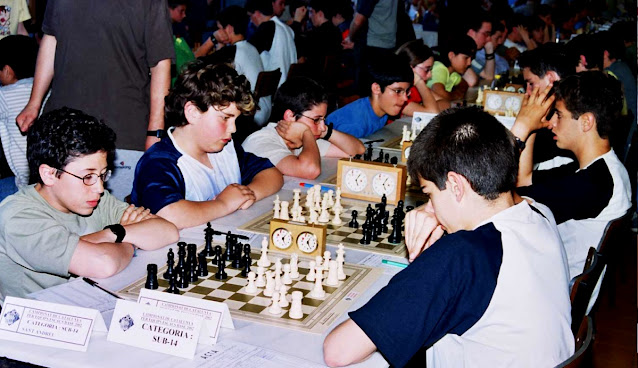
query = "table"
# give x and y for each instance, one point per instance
(102, 353)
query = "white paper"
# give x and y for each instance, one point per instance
(48, 324)
(420, 120)
(156, 329)
(375, 260)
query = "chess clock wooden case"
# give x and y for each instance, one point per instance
(499, 102)
(405, 151)
(369, 181)
(296, 237)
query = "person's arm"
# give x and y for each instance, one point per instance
(429, 100)
(100, 260)
(297, 135)
(22, 30)
(41, 82)
(347, 344)
(490, 64)
(358, 22)
(149, 234)
(221, 38)
(344, 145)
(265, 183)
(529, 43)
(422, 229)
(470, 77)
(160, 83)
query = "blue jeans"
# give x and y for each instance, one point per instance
(7, 187)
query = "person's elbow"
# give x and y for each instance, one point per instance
(311, 171)
(334, 354)
(105, 266)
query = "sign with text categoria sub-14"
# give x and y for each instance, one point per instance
(153, 328)
(215, 314)
(49, 324)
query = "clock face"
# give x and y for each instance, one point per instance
(406, 152)
(356, 180)
(281, 238)
(513, 103)
(307, 242)
(494, 102)
(383, 183)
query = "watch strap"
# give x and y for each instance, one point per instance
(159, 133)
(118, 230)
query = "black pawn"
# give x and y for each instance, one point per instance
(182, 282)
(366, 234)
(353, 223)
(170, 262)
(237, 257)
(247, 262)
(395, 236)
(246, 250)
(151, 276)
(221, 269)
(203, 268)
(386, 158)
(384, 222)
(384, 199)
(394, 160)
(380, 158)
(192, 271)
(217, 255)
(172, 288)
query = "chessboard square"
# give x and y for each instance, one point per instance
(286, 316)
(241, 297)
(190, 294)
(303, 271)
(211, 282)
(252, 308)
(232, 272)
(386, 246)
(308, 300)
(162, 283)
(334, 238)
(304, 285)
(237, 281)
(201, 290)
(307, 309)
(260, 300)
(230, 287)
(349, 240)
(234, 304)
(222, 293)
(343, 233)
(214, 298)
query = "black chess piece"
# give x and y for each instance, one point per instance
(357, 157)
(192, 271)
(181, 257)
(246, 250)
(172, 287)
(237, 257)
(372, 229)
(395, 236)
(394, 160)
(202, 270)
(247, 261)
(182, 282)
(384, 222)
(230, 249)
(192, 253)
(151, 276)
(208, 238)
(216, 255)
(353, 223)
(369, 211)
(221, 269)
(366, 234)
(368, 154)
(384, 199)
(386, 159)
(170, 262)
(380, 158)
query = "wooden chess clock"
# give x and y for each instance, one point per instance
(369, 181)
(405, 150)
(500, 102)
(296, 237)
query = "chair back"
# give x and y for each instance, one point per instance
(613, 235)
(583, 345)
(267, 83)
(583, 288)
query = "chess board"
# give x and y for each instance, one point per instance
(318, 313)
(340, 233)
(412, 191)
(392, 144)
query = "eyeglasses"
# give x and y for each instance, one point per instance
(317, 121)
(400, 91)
(426, 69)
(91, 179)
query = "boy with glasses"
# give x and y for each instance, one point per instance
(296, 144)
(67, 223)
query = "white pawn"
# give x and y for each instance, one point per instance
(331, 201)
(295, 309)
(261, 280)
(337, 206)
(274, 307)
(317, 200)
(414, 134)
(318, 262)
(341, 252)
(311, 273)
(294, 266)
(404, 134)
(270, 284)
(324, 216)
(263, 260)
(317, 291)
(284, 211)
(310, 198)
(296, 197)
(278, 266)
(314, 217)
(277, 207)
(337, 219)
(283, 300)
(251, 288)
(286, 279)
(332, 279)
(326, 258)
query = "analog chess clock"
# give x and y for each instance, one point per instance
(405, 151)
(502, 102)
(369, 181)
(296, 237)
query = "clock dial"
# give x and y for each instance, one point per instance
(307, 242)
(406, 152)
(281, 238)
(356, 180)
(513, 103)
(494, 102)
(383, 183)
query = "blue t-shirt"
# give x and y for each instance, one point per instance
(357, 118)
(160, 180)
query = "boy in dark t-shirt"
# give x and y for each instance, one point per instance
(194, 175)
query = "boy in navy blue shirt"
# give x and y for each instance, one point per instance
(198, 173)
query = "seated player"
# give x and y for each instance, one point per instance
(588, 193)
(67, 223)
(194, 175)
(390, 80)
(493, 290)
(447, 81)
(296, 144)
(421, 60)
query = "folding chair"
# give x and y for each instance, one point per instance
(583, 346)
(582, 293)
(267, 83)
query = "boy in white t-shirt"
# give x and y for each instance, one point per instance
(297, 142)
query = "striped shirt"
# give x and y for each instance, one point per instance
(13, 98)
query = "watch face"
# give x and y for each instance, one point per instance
(383, 183)
(513, 103)
(281, 238)
(406, 152)
(307, 242)
(356, 180)
(494, 102)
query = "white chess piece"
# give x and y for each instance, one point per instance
(314, 217)
(317, 291)
(261, 280)
(341, 275)
(274, 306)
(263, 260)
(326, 259)
(404, 135)
(337, 206)
(479, 97)
(311, 272)
(251, 288)
(283, 293)
(317, 200)
(270, 284)
(332, 279)
(295, 311)
(337, 219)
(310, 198)
(414, 134)
(324, 216)
(277, 207)
(284, 211)
(341, 252)
(286, 279)
(294, 266)
(331, 201)
(318, 261)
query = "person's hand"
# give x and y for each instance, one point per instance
(221, 36)
(235, 196)
(489, 47)
(535, 107)
(416, 77)
(422, 229)
(292, 132)
(347, 44)
(134, 215)
(150, 141)
(524, 33)
(300, 14)
(27, 116)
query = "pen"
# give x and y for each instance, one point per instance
(308, 185)
(393, 263)
(95, 284)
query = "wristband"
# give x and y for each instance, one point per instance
(329, 133)
(519, 143)
(489, 56)
(159, 133)
(118, 230)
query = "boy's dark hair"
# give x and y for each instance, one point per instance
(613, 45)
(297, 94)
(235, 16)
(207, 86)
(62, 135)
(175, 3)
(588, 45)
(469, 142)
(498, 27)
(327, 7)
(592, 91)
(344, 7)
(461, 44)
(534, 23)
(20, 53)
(415, 51)
(514, 21)
(545, 58)
(475, 21)
(388, 70)
(264, 6)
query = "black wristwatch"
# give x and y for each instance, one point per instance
(118, 230)
(159, 133)
(329, 133)
(519, 143)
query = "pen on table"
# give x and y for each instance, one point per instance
(308, 185)
(393, 263)
(95, 284)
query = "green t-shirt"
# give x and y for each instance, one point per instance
(37, 241)
(440, 74)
